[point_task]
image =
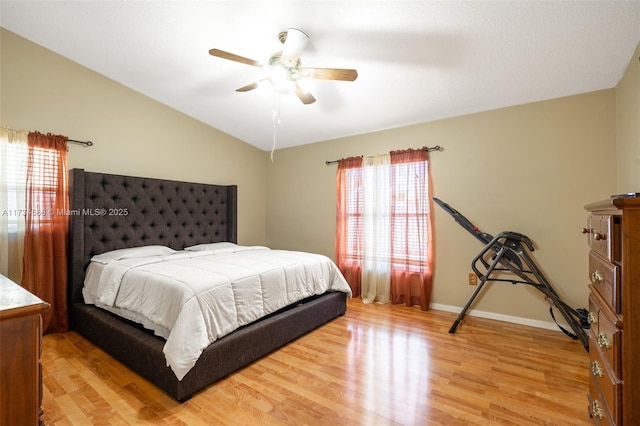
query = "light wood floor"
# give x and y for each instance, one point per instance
(377, 365)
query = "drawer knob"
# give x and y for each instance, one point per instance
(586, 230)
(596, 369)
(599, 237)
(591, 318)
(603, 341)
(596, 277)
(596, 411)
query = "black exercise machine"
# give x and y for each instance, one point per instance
(505, 254)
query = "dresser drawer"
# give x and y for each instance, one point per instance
(603, 236)
(609, 386)
(597, 410)
(605, 335)
(604, 277)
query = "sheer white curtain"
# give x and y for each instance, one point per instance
(376, 261)
(13, 177)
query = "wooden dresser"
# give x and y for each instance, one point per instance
(20, 338)
(614, 310)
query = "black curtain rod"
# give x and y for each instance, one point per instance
(428, 149)
(86, 143)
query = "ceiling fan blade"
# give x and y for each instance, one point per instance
(233, 57)
(329, 73)
(306, 97)
(293, 46)
(250, 86)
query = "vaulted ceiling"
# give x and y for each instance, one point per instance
(417, 61)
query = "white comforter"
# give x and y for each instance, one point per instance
(195, 298)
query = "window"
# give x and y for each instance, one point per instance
(408, 186)
(45, 183)
(383, 235)
(353, 215)
(410, 218)
(15, 185)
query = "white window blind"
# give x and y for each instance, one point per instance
(407, 190)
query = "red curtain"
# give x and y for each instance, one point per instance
(46, 228)
(349, 212)
(411, 228)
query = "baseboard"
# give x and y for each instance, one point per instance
(500, 317)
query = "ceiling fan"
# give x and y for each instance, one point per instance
(285, 71)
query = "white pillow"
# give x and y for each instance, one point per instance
(128, 253)
(212, 246)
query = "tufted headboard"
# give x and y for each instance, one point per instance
(109, 212)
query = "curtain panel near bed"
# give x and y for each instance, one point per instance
(13, 175)
(412, 256)
(46, 227)
(376, 229)
(348, 239)
(384, 244)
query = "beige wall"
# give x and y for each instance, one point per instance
(528, 169)
(133, 134)
(628, 126)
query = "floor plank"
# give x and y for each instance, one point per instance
(377, 365)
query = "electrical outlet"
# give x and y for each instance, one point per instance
(473, 279)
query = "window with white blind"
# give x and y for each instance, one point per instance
(353, 215)
(14, 186)
(45, 165)
(45, 181)
(407, 191)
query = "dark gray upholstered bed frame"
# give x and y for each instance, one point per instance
(109, 212)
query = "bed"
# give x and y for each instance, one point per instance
(111, 212)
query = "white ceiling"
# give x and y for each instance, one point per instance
(417, 61)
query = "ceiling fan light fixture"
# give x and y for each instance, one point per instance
(282, 75)
(279, 77)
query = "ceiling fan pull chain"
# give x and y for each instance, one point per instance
(275, 118)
